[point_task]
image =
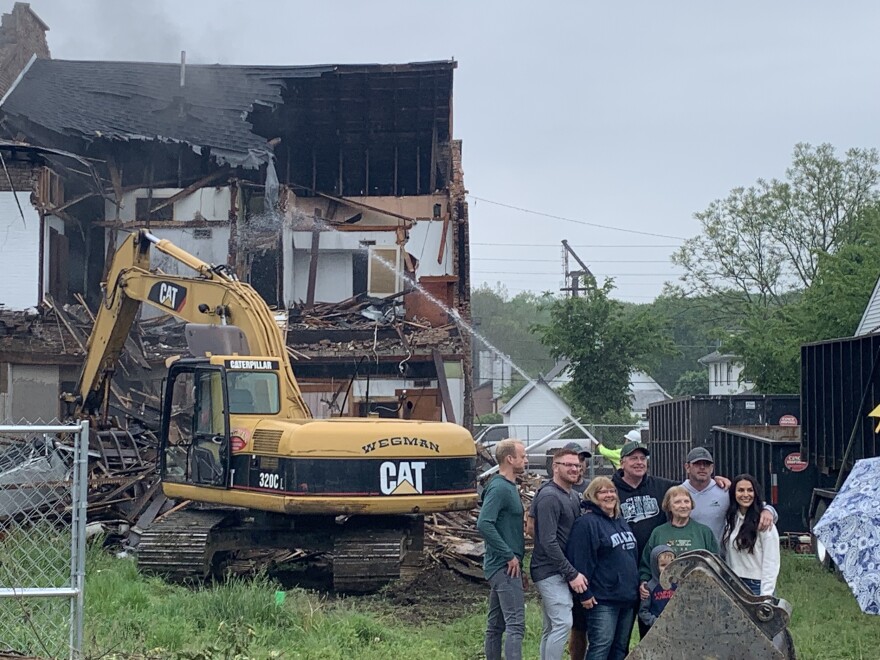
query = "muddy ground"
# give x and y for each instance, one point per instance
(432, 594)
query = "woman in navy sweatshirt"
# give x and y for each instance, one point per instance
(603, 548)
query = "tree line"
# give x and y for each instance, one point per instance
(775, 265)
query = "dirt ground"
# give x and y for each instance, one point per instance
(432, 594)
(436, 594)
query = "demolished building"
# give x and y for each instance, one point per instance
(310, 181)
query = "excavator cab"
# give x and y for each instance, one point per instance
(195, 433)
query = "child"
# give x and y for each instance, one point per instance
(650, 609)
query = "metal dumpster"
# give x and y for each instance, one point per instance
(772, 455)
(678, 425)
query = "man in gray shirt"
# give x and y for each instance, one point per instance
(556, 508)
(710, 500)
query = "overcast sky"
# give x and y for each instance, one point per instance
(627, 114)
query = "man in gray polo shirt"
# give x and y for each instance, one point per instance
(710, 500)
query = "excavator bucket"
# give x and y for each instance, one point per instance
(713, 615)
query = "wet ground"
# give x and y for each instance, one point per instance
(432, 594)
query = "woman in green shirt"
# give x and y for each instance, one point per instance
(681, 533)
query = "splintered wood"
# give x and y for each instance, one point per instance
(452, 539)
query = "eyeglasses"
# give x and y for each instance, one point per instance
(607, 491)
(570, 466)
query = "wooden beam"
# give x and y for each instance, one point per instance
(313, 268)
(444, 386)
(445, 231)
(189, 190)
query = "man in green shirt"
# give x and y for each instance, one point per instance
(501, 525)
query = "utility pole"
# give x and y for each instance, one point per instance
(573, 277)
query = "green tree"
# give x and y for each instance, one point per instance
(762, 242)
(789, 261)
(506, 322)
(769, 340)
(603, 344)
(695, 381)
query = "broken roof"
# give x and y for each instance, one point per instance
(213, 106)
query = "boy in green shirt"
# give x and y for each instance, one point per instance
(501, 525)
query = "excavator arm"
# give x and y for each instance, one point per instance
(214, 296)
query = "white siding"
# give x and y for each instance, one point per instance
(19, 252)
(537, 413)
(33, 390)
(209, 203)
(724, 379)
(424, 244)
(871, 318)
(334, 281)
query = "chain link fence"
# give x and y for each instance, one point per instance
(43, 490)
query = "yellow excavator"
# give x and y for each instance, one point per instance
(238, 440)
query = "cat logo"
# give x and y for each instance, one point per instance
(168, 294)
(403, 478)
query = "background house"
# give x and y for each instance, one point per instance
(538, 408)
(724, 371)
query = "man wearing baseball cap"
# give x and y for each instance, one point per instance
(641, 495)
(583, 455)
(710, 500)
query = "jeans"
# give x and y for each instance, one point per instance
(608, 629)
(754, 585)
(507, 611)
(556, 604)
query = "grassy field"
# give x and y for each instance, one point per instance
(129, 616)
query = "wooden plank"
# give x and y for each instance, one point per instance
(313, 268)
(190, 189)
(444, 386)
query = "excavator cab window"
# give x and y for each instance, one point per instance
(253, 392)
(196, 446)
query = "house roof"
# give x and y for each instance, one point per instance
(558, 369)
(870, 322)
(717, 356)
(528, 387)
(225, 109)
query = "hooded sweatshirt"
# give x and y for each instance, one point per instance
(651, 608)
(604, 550)
(641, 505)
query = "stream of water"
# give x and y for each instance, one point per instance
(462, 324)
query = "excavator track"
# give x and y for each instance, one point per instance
(182, 547)
(366, 560)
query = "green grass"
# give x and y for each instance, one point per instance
(130, 616)
(826, 621)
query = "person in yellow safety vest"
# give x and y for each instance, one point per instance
(613, 455)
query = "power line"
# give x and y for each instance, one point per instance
(592, 261)
(594, 245)
(544, 272)
(577, 222)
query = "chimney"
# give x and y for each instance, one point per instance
(22, 35)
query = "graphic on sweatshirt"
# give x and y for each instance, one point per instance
(640, 507)
(626, 539)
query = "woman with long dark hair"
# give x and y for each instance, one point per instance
(751, 554)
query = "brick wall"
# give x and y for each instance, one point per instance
(22, 35)
(461, 262)
(24, 177)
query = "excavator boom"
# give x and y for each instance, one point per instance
(214, 297)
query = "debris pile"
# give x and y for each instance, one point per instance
(452, 539)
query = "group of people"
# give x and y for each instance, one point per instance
(600, 546)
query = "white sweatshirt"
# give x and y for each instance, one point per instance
(761, 565)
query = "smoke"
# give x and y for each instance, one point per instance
(131, 30)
